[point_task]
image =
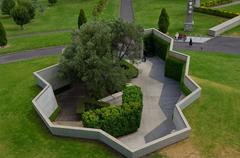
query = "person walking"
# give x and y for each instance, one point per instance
(190, 42)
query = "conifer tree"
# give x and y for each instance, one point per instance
(81, 18)
(163, 22)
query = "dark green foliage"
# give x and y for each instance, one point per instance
(91, 105)
(3, 37)
(7, 6)
(130, 70)
(163, 22)
(155, 46)
(174, 68)
(215, 3)
(55, 114)
(20, 15)
(216, 12)
(81, 18)
(118, 120)
(29, 6)
(149, 46)
(93, 59)
(52, 2)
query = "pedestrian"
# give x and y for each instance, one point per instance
(190, 42)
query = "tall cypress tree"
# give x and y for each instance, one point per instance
(163, 22)
(81, 18)
(3, 37)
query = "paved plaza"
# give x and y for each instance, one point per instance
(160, 95)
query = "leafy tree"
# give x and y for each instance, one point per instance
(7, 6)
(81, 18)
(127, 39)
(20, 15)
(52, 2)
(3, 37)
(163, 22)
(29, 6)
(89, 59)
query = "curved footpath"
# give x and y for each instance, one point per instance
(228, 45)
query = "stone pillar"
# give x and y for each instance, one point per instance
(188, 25)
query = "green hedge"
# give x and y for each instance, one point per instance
(118, 120)
(215, 3)
(155, 46)
(216, 12)
(90, 105)
(175, 69)
(130, 70)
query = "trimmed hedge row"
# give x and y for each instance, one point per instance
(215, 3)
(155, 46)
(216, 12)
(175, 69)
(118, 120)
(129, 69)
(90, 105)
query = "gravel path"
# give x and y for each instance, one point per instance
(226, 5)
(126, 11)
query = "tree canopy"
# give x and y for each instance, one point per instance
(7, 6)
(93, 56)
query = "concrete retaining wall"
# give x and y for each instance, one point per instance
(223, 27)
(45, 104)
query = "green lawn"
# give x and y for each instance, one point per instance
(215, 118)
(38, 41)
(22, 132)
(233, 8)
(147, 13)
(63, 15)
(233, 32)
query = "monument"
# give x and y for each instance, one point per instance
(188, 25)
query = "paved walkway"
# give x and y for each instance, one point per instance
(159, 97)
(226, 5)
(30, 54)
(227, 45)
(195, 39)
(126, 11)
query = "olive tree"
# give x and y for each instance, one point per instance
(93, 57)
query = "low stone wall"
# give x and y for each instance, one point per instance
(223, 27)
(45, 104)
